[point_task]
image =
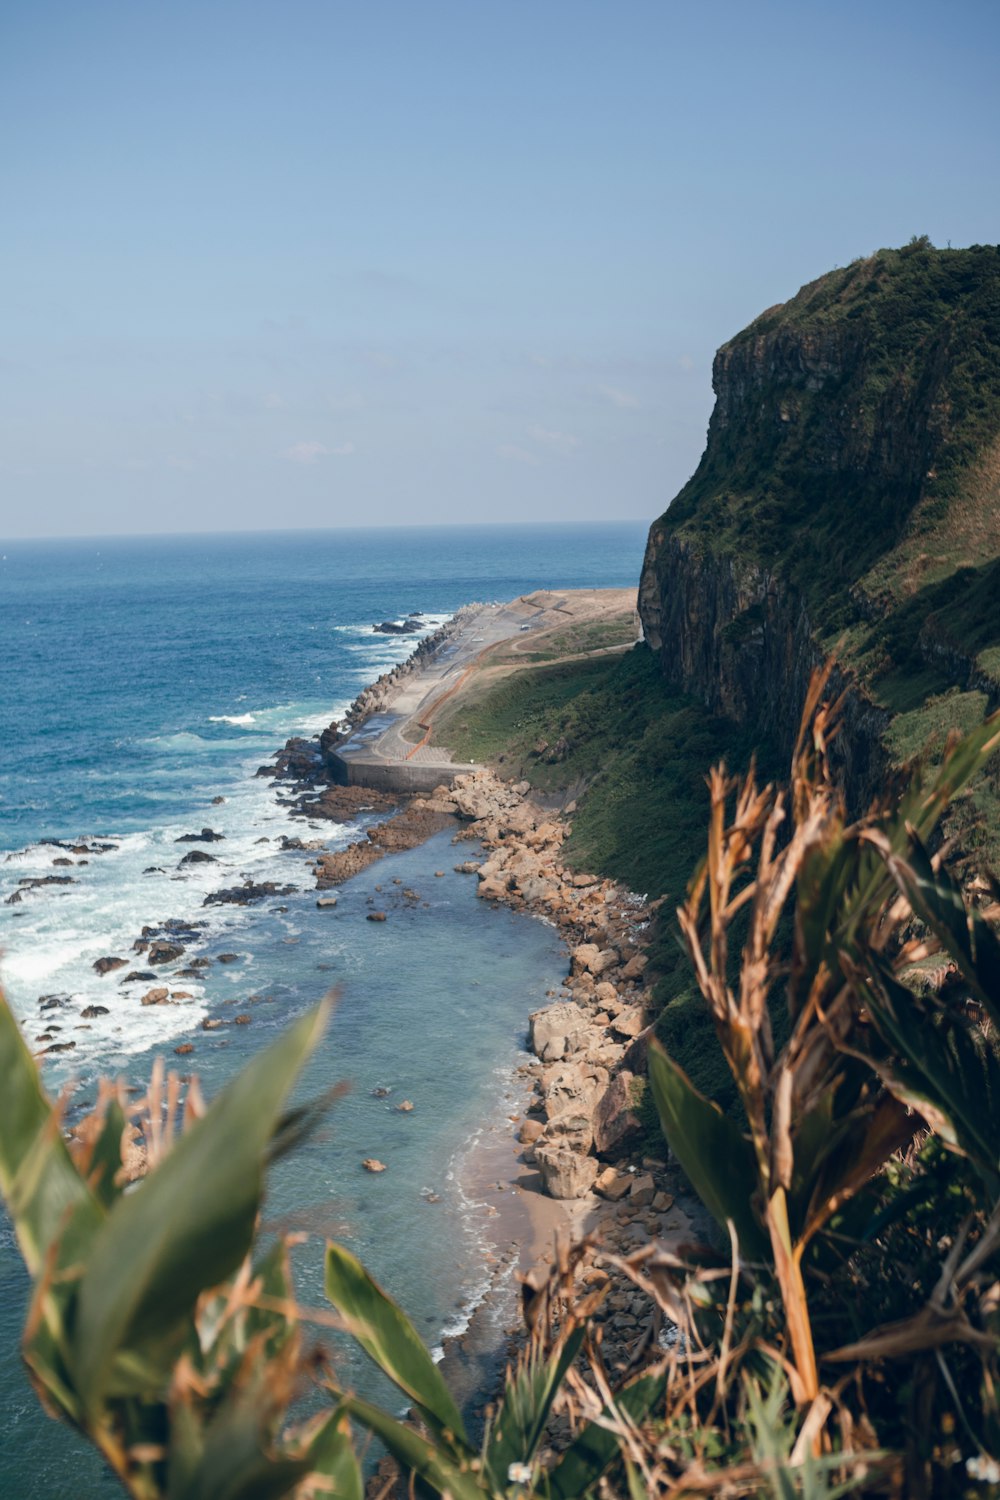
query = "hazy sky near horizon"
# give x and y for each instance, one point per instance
(316, 263)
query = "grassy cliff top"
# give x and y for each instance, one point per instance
(854, 451)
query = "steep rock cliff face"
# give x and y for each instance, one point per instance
(734, 635)
(846, 427)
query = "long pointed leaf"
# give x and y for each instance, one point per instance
(332, 1457)
(587, 1457)
(436, 1466)
(38, 1177)
(191, 1221)
(524, 1410)
(388, 1337)
(718, 1159)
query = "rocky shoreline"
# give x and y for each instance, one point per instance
(576, 1143)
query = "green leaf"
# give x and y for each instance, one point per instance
(590, 1453)
(718, 1159)
(387, 1336)
(437, 1466)
(187, 1226)
(937, 897)
(107, 1156)
(527, 1402)
(232, 1463)
(939, 1072)
(47, 1197)
(331, 1454)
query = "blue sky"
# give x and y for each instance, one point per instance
(307, 264)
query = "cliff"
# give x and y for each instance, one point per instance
(849, 499)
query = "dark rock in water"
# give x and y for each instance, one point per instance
(242, 1020)
(227, 958)
(164, 953)
(62, 860)
(184, 1049)
(158, 996)
(198, 857)
(217, 801)
(52, 1002)
(248, 893)
(92, 1011)
(145, 975)
(61, 1047)
(206, 836)
(393, 627)
(34, 883)
(299, 760)
(376, 916)
(200, 963)
(154, 870)
(108, 965)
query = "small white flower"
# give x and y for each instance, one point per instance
(518, 1473)
(986, 1470)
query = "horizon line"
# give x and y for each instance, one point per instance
(127, 536)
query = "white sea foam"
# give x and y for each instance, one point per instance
(232, 719)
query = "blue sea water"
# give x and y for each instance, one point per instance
(140, 679)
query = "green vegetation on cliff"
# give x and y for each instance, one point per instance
(853, 444)
(848, 500)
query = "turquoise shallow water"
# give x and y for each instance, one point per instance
(138, 681)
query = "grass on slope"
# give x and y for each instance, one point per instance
(634, 754)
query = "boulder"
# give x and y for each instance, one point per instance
(530, 1132)
(616, 1124)
(90, 1012)
(606, 995)
(198, 857)
(108, 965)
(159, 996)
(571, 1088)
(372, 1164)
(635, 1057)
(326, 901)
(376, 916)
(563, 1022)
(519, 819)
(629, 1021)
(635, 966)
(571, 1129)
(642, 1191)
(160, 952)
(582, 957)
(612, 1184)
(565, 1173)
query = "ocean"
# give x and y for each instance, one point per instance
(143, 679)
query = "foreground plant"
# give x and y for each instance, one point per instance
(836, 919)
(151, 1330)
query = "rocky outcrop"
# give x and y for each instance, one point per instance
(843, 431)
(730, 632)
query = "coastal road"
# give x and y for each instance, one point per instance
(390, 749)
